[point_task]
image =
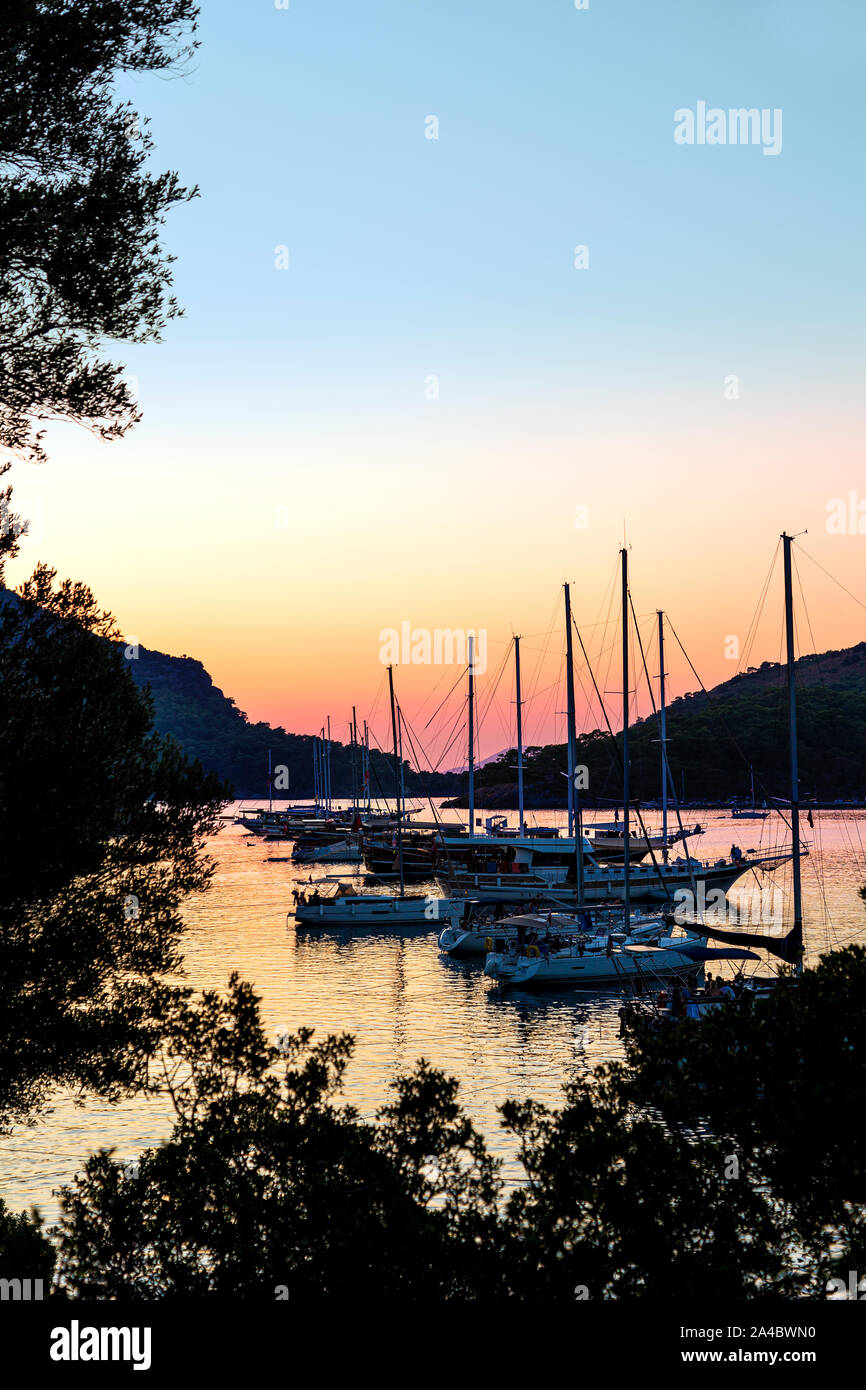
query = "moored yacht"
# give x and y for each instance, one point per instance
(478, 931)
(593, 961)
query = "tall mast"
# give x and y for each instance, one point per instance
(471, 734)
(569, 687)
(400, 745)
(626, 791)
(397, 780)
(328, 755)
(792, 728)
(316, 771)
(354, 744)
(575, 825)
(519, 734)
(270, 784)
(664, 735)
(366, 766)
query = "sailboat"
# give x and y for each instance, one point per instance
(477, 930)
(595, 961)
(338, 906)
(789, 948)
(751, 811)
(607, 956)
(516, 868)
(519, 869)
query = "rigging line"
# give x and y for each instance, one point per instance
(536, 674)
(659, 868)
(554, 685)
(371, 713)
(594, 682)
(642, 656)
(858, 601)
(456, 728)
(500, 672)
(437, 818)
(752, 630)
(463, 672)
(432, 692)
(805, 608)
(608, 594)
(725, 724)
(720, 716)
(462, 729)
(383, 797)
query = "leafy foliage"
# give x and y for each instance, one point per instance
(82, 260)
(721, 1158)
(25, 1250)
(266, 1181)
(101, 833)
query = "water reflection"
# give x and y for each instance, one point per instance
(401, 1000)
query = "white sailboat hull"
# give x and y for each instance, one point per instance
(607, 884)
(374, 910)
(472, 940)
(342, 852)
(587, 971)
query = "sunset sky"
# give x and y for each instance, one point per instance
(293, 490)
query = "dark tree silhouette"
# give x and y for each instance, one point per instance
(101, 834)
(722, 1160)
(82, 261)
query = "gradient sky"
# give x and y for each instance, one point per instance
(291, 491)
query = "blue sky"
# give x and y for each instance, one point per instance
(411, 257)
(305, 127)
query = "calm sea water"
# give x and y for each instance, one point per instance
(402, 1000)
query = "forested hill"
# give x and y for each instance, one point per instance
(209, 726)
(713, 737)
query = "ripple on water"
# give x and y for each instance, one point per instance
(400, 999)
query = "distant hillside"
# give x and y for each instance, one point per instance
(713, 737)
(209, 726)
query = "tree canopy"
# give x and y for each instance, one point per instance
(720, 1156)
(81, 211)
(102, 824)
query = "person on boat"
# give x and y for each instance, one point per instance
(691, 1008)
(725, 991)
(736, 853)
(678, 1002)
